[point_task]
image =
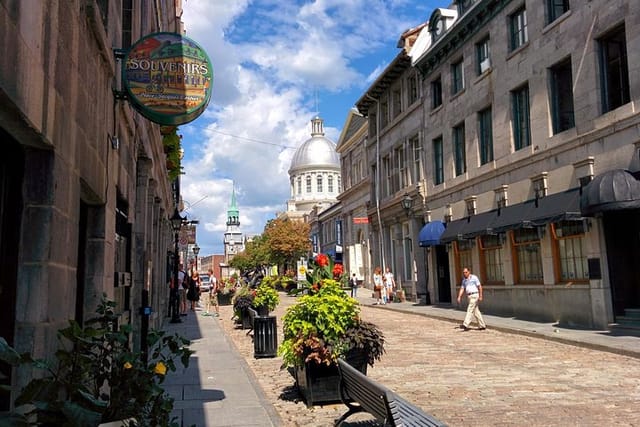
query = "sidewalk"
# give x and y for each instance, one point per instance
(218, 388)
(624, 342)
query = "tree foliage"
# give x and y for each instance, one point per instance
(286, 240)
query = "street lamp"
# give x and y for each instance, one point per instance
(196, 251)
(174, 299)
(407, 203)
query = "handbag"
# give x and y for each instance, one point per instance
(377, 287)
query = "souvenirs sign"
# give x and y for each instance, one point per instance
(168, 78)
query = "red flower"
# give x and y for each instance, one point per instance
(322, 260)
(337, 270)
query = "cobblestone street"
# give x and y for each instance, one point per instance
(474, 378)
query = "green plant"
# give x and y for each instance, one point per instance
(97, 378)
(242, 300)
(266, 296)
(366, 337)
(314, 327)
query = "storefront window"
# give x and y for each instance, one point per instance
(528, 260)
(570, 258)
(463, 257)
(491, 256)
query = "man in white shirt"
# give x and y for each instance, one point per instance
(473, 288)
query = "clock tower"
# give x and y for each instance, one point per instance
(233, 238)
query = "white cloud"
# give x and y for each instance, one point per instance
(272, 60)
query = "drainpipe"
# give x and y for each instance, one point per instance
(377, 180)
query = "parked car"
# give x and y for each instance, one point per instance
(205, 283)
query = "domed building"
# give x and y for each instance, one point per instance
(314, 174)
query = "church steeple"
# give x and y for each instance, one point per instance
(233, 214)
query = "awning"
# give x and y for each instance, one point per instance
(556, 207)
(430, 233)
(613, 190)
(453, 230)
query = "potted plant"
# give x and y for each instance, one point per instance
(322, 326)
(242, 301)
(97, 378)
(266, 298)
(226, 292)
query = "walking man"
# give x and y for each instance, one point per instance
(473, 288)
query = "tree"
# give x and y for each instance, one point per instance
(286, 240)
(255, 256)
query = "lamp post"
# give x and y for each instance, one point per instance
(407, 203)
(174, 299)
(196, 251)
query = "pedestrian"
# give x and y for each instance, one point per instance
(193, 294)
(378, 286)
(354, 285)
(213, 294)
(389, 284)
(183, 286)
(473, 288)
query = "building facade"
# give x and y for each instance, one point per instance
(85, 196)
(355, 197)
(531, 148)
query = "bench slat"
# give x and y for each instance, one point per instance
(377, 400)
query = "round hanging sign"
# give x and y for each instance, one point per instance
(168, 78)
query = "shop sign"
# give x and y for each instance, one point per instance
(168, 78)
(360, 220)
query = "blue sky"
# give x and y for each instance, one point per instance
(276, 65)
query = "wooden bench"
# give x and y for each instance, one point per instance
(362, 394)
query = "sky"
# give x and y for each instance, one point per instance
(276, 65)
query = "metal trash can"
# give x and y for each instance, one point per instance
(265, 336)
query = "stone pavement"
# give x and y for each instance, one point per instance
(474, 378)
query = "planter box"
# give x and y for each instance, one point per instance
(224, 299)
(320, 384)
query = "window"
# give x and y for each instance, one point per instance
(384, 113)
(614, 71)
(520, 113)
(438, 161)
(407, 253)
(570, 257)
(491, 256)
(416, 148)
(127, 20)
(401, 166)
(299, 182)
(436, 93)
(462, 256)
(528, 262)
(459, 150)
(319, 183)
(388, 174)
(373, 124)
(464, 5)
(457, 77)
(483, 56)
(555, 8)
(339, 184)
(518, 29)
(561, 96)
(396, 99)
(330, 184)
(308, 183)
(412, 89)
(485, 136)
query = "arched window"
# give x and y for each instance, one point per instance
(319, 186)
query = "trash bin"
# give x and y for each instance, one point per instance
(265, 336)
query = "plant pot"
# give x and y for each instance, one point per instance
(319, 384)
(262, 310)
(224, 299)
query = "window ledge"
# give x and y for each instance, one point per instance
(517, 50)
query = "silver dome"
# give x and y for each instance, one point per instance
(317, 151)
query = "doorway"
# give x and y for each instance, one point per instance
(622, 231)
(443, 278)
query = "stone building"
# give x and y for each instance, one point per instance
(355, 196)
(531, 151)
(84, 191)
(394, 155)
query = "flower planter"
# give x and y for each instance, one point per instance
(262, 310)
(320, 384)
(247, 322)
(224, 299)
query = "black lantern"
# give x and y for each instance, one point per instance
(407, 203)
(174, 296)
(196, 251)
